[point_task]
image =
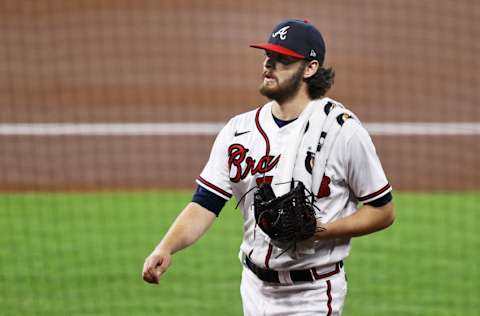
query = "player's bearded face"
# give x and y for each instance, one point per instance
(281, 87)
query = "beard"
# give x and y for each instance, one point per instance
(286, 90)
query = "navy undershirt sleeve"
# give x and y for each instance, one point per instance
(381, 201)
(208, 200)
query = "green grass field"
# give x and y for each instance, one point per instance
(82, 254)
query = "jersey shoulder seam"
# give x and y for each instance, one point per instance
(354, 127)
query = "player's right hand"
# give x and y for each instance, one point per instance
(155, 265)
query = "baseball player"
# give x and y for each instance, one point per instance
(307, 179)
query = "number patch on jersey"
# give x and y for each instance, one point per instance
(324, 189)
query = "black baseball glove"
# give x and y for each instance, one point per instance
(286, 219)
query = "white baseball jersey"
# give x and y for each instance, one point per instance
(248, 150)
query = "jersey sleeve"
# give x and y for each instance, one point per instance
(365, 174)
(208, 200)
(215, 175)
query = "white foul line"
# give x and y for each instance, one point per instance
(423, 128)
(212, 128)
(110, 129)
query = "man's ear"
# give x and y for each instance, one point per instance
(311, 69)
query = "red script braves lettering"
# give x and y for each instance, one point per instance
(238, 154)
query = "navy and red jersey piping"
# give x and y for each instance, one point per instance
(262, 132)
(267, 152)
(214, 187)
(375, 194)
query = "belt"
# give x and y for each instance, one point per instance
(307, 275)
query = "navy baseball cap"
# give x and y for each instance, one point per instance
(296, 38)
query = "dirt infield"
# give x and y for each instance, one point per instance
(166, 61)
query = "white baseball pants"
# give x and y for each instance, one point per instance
(324, 297)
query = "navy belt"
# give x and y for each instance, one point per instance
(307, 275)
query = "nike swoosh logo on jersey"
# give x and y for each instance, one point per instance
(240, 133)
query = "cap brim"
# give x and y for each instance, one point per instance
(278, 49)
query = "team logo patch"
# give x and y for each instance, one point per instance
(281, 32)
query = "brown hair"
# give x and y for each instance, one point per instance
(320, 82)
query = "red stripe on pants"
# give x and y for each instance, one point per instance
(329, 295)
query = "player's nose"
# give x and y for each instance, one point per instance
(269, 63)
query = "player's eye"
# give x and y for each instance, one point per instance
(272, 56)
(283, 59)
(286, 60)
